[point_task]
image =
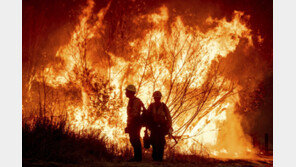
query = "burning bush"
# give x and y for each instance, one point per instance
(194, 66)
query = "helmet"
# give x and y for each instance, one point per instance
(131, 88)
(157, 94)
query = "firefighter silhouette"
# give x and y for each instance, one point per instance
(134, 109)
(159, 121)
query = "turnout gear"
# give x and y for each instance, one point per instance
(134, 135)
(159, 122)
(134, 109)
(160, 116)
(158, 143)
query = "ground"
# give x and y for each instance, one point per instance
(264, 162)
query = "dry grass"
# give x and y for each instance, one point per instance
(49, 141)
(46, 143)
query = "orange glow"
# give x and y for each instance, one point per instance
(172, 61)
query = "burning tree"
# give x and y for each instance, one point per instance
(183, 62)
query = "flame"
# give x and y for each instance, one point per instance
(169, 54)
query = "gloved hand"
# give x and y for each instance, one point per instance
(170, 131)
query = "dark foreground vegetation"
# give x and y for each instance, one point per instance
(49, 143)
(52, 141)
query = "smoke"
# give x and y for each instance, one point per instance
(117, 42)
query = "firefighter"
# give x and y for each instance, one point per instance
(134, 109)
(160, 125)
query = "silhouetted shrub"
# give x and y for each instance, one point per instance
(53, 141)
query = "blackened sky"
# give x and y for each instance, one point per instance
(42, 18)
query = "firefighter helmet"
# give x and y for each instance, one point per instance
(157, 94)
(131, 88)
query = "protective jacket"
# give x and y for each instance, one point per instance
(160, 122)
(134, 108)
(159, 115)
